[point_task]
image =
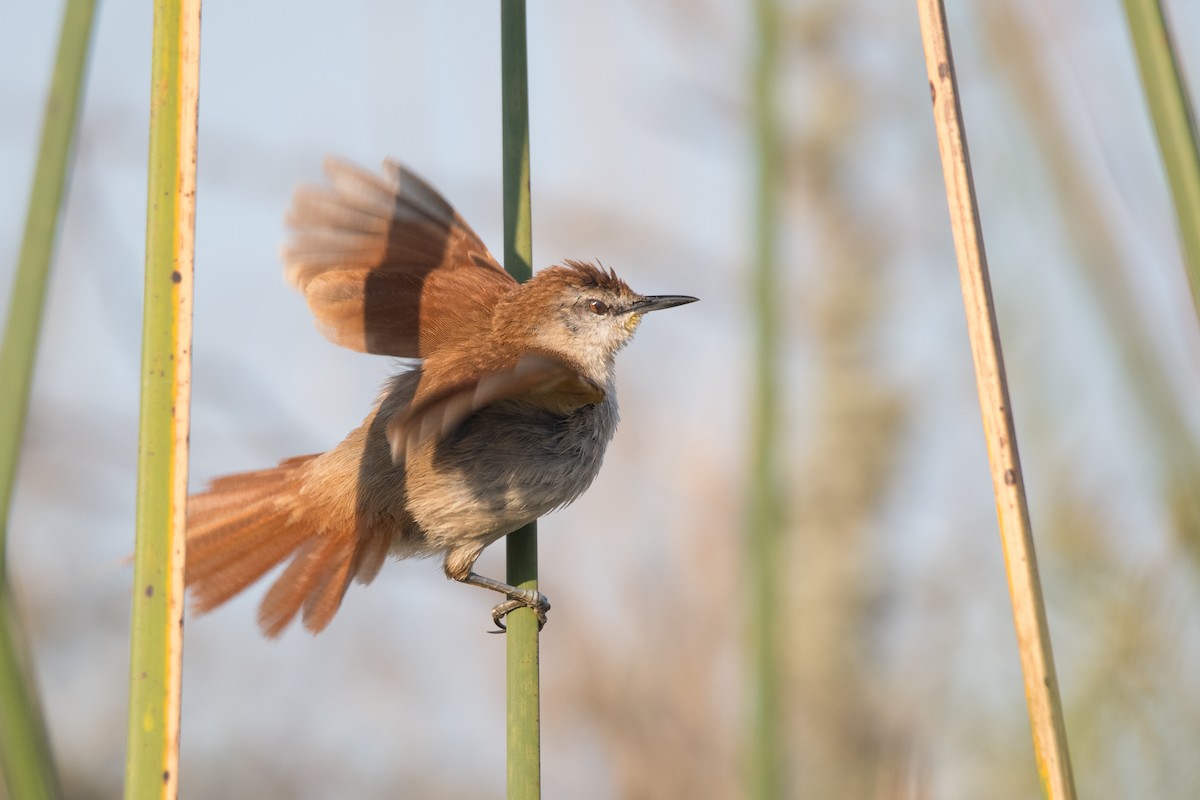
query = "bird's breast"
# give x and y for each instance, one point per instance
(504, 466)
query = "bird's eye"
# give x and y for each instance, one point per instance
(598, 306)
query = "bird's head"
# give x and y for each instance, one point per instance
(584, 312)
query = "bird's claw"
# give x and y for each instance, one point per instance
(532, 599)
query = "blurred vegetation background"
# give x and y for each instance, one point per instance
(899, 673)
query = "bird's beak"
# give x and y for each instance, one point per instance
(661, 301)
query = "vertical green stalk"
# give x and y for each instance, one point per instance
(524, 709)
(766, 753)
(157, 630)
(25, 758)
(1174, 123)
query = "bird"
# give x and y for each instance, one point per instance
(503, 416)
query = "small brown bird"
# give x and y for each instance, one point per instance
(506, 417)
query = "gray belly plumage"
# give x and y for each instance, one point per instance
(504, 466)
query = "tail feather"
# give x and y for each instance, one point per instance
(369, 556)
(226, 572)
(328, 587)
(214, 537)
(312, 585)
(245, 525)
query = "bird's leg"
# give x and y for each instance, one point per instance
(458, 566)
(517, 598)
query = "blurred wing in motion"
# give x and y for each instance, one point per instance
(386, 264)
(542, 381)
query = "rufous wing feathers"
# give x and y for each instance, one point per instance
(386, 264)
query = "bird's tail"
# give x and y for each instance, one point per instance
(245, 524)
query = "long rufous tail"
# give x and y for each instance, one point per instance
(245, 524)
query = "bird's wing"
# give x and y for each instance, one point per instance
(540, 380)
(386, 264)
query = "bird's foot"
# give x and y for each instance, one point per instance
(527, 598)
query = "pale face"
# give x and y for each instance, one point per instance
(594, 323)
